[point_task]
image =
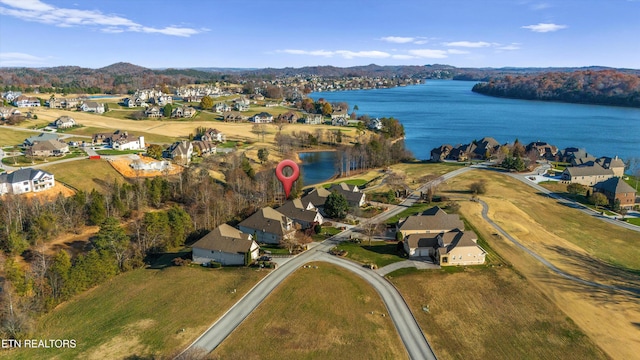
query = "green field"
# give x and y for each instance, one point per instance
(10, 137)
(144, 313)
(27, 161)
(381, 253)
(356, 182)
(86, 174)
(490, 313)
(317, 313)
(414, 209)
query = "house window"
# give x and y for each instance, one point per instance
(444, 259)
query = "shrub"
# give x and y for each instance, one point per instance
(576, 189)
(215, 264)
(478, 187)
(317, 228)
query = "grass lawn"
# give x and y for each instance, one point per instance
(356, 182)
(490, 313)
(26, 161)
(121, 114)
(412, 210)
(148, 137)
(634, 221)
(142, 313)
(380, 253)
(8, 136)
(86, 174)
(415, 170)
(329, 313)
(327, 232)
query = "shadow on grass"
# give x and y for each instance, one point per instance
(627, 280)
(636, 324)
(164, 260)
(386, 249)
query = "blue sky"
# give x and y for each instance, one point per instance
(290, 33)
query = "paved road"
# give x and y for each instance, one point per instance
(543, 261)
(416, 344)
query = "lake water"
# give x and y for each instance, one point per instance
(317, 166)
(448, 112)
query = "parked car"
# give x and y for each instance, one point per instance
(265, 258)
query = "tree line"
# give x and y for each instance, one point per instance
(606, 87)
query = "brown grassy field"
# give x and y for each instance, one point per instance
(8, 136)
(86, 174)
(322, 313)
(144, 313)
(609, 318)
(491, 313)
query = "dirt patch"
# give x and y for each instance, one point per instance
(74, 243)
(123, 166)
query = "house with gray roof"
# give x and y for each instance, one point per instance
(316, 197)
(616, 188)
(92, 106)
(25, 181)
(268, 226)
(64, 122)
(226, 245)
(180, 152)
(305, 216)
(615, 164)
(433, 221)
(587, 175)
(48, 148)
(352, 193)
(40, 137)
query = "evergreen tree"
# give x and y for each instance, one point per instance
(336, 205)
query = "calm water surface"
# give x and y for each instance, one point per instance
(447, 112)
(317, 166)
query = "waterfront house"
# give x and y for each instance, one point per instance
(352, 193)
(588, 175)
(439, 154)
(227, 246)
(616, 188)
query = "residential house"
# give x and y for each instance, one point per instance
(234, 116)
(212, 135)
(48, 148)
(576, 157)
(485, 147)
(588, 175)
(432, 221)
(222, 107)
(92, 106)
(119, 140)
(268, 226)
(180, 152)
(375, 124)
(227, 246)
(183, 112)
(11, 95)
(241, 104)
(203, 148)
(26, 101)
(64, 122)
(543, 149)
(262, 118)
(462, 152)
(290, 117)
(154, 112)
(257, 97)
(132, 102)
(339, 113)
(352, 193)
(441, 153)
(340, 121)
(616, 188)
(302, 215)
(5, 112)
(615, 164)
(312, 119)
(316, 197)
(40, 137)
(25, 181)
(459, 248)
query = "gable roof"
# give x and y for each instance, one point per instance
(608, 163)
(457, 239)
(422, 240)
(317, 197)
(267, 220)
(294, 209)
(225, 238)
(587, 170)
(40, 137)
(49, 145)
(615, 185)
(438, 221)
(23, 175)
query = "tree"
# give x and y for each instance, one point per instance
(97, 211)
(478, 187)
(154, 151)
(575, 189)
(263, 155)
(168, 109)
(327, 109)
(598, 199)
(336, 206)
(372, 229)
(206, 102)
(112, 238)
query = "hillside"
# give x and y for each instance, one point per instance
(605, 87)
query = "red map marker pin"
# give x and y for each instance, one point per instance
(287, 181)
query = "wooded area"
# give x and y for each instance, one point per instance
(605, 87)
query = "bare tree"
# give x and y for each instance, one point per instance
(372, 229)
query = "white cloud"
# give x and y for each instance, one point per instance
(513, 46)
(544, 27)
(347, 54)
(398, 39)
(402, 57)
(37, 11)
(469, 44)
(457, 51)
(20, 59)
(429, 53)
(540, 6)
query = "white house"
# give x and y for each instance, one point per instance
(25, 101)
(262, 118)
(64, 122)
(129, 143)
(226, 245)
(25, 181)
(92, 106)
